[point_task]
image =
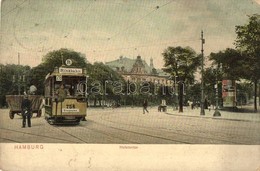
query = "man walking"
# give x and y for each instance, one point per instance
(26, 111)
(145, 104)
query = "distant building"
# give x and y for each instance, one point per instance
(137, 70)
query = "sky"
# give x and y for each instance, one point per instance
(103, 30)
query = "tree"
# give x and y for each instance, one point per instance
(232, 62)
(181, 63)
(212, 76)
(96, 72)
(12, 78)
(107, 78)
(54, 59)
(248, 41)
(57, 58)
(193, 93)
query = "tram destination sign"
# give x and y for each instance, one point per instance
(70, 70)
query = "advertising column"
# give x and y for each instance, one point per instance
(229, 93)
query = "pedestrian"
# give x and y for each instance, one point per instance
(192, 105)
(145, 105)
(26, 111)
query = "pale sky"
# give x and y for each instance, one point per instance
(103, 30)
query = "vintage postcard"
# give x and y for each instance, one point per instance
(130, 85)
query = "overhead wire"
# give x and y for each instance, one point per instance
(140, 6)
(80, 16)
(139, 20)
(14, 8)
(126, 28)
(143, 46)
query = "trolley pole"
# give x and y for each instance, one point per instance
(202, 112)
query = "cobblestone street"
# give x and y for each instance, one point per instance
(131, 126)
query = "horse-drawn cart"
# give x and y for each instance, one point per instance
(15, 102)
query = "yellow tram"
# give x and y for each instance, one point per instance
(65, 95)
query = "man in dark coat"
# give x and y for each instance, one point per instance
(26, 111)
(145, 105)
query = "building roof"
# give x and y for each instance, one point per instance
(128, 63)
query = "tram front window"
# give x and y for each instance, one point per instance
(74, 86)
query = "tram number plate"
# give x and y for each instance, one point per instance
(70, 106)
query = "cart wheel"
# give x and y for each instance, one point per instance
(39, 113)
(11, 114)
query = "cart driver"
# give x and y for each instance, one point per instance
(62, 93)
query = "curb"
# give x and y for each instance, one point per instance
(212, 117)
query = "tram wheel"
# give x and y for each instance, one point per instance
(11, 114)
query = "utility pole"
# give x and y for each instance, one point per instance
(18, 58)
(202, 112)
(19, 79)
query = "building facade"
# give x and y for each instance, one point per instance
(137, 70)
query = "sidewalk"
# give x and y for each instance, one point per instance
(225, 115)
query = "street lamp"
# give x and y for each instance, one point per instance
(217, 113)
(202, 112)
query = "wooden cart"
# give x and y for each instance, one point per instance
(15, 102)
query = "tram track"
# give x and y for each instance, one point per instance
(13, 141)
(56, 127)
(147, 135)
(108, 134)
(180, 134)
(44, 136)
(105, 125)
(142, 134)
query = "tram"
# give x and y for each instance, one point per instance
(65, 95)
